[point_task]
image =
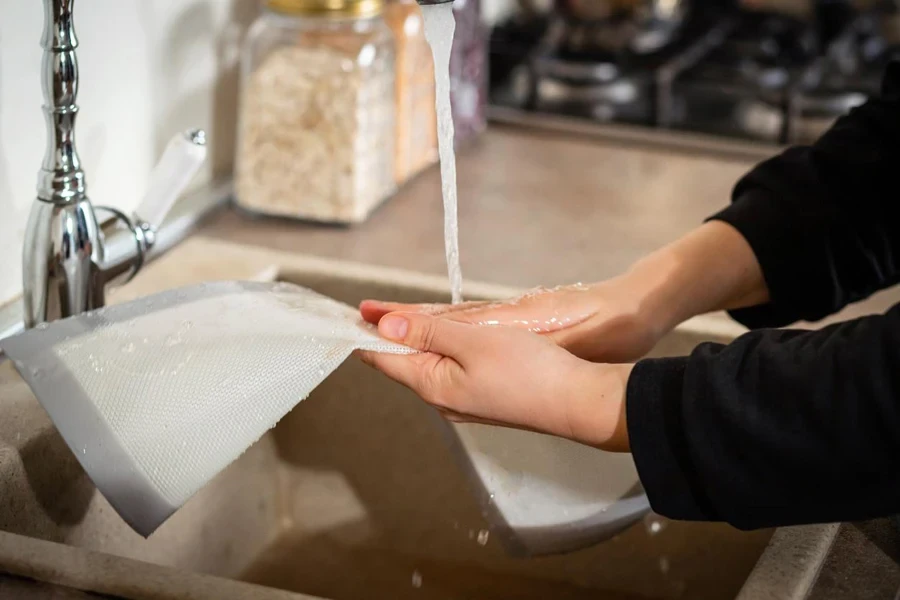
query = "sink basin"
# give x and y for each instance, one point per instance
(355, 494)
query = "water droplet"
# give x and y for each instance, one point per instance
(84, 450)
(41, 326)
(416, 579)
(663, 565)
(653, 524)
(128, 348)
(483, 536)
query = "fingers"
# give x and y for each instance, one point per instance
(429, 334)
(539, 314)
(373, 310)
(433, 377)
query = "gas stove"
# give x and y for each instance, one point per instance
(746, 75)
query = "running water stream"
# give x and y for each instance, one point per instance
(439, 28)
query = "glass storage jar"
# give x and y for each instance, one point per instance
(416, 146)
(469, 72)
(316, 119)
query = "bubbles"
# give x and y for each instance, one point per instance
(128, 348)
(41, 326)
(416, 579)
(483, 537)
(96, 363)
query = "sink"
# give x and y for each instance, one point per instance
(355, 494)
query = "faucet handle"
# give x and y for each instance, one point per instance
(182, 158)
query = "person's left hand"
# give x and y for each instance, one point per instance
(505, 376)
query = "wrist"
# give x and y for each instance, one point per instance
(597, 415)
(652, 285)
(711, 268)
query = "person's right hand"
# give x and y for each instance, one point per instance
(603, 322)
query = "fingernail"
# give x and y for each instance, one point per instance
(393, 328)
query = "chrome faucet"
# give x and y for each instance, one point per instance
(70, 257)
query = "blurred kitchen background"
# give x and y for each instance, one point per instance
(769, 71)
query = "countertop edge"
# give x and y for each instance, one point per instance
(87, 570)
(790, 565)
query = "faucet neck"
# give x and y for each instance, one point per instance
(61, 178)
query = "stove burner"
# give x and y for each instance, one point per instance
(762, 76)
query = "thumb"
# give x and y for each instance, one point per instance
(428, 334)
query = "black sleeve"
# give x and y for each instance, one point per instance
(824, 220)
(779, 427)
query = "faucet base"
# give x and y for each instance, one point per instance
(62, 251)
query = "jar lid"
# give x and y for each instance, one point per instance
(328, 8)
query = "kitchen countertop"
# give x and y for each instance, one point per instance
(534, 209)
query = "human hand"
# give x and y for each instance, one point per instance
(603, 322)
(620, 320)
(506, 376)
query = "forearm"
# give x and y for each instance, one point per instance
(711, 268)
(780, 427)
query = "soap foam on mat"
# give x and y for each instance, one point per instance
(157, 396)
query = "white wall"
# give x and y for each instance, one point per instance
(149, 68)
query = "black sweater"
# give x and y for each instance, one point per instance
(786, 427)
